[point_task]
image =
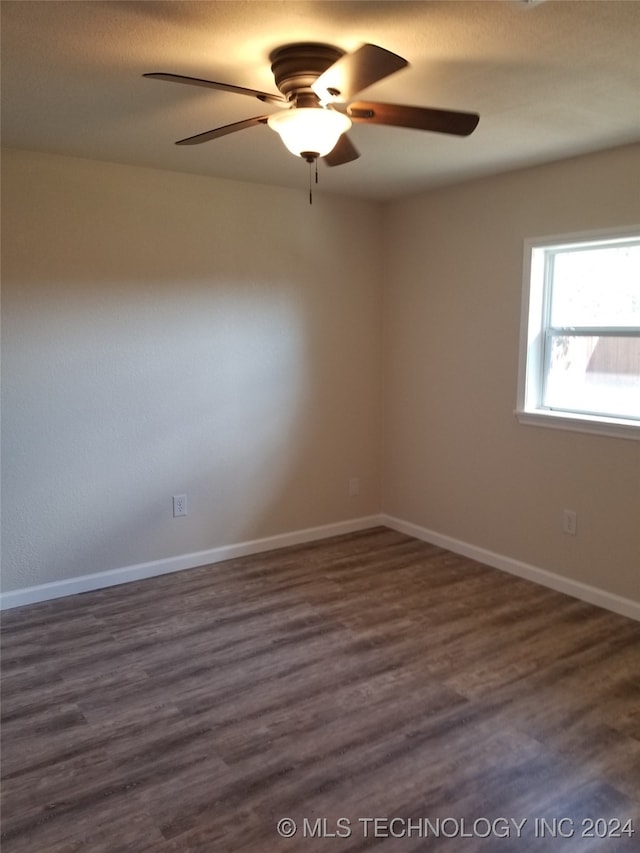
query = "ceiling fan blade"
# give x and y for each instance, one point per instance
(353, 72)
(222, 131)
(211, 84)
(343, 152)
(419, 118)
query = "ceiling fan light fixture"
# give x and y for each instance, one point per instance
(309, 130)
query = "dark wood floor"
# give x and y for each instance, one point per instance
(367, 676)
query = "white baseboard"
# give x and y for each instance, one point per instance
(101, 580)
(576, 589)
(113, 577)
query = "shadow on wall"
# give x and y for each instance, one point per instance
(168, 334)
(138, 399)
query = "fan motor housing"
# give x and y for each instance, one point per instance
(297, 66)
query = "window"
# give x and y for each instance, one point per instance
(580, 336)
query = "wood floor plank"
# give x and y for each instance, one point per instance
(369, 675)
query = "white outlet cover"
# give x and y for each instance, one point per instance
(179, 506)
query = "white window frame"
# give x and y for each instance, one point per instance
(533, 324)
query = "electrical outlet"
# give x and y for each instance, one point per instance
(179, 505)
(570, 522)
(354, 487)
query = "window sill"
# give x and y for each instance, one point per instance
(581, 423)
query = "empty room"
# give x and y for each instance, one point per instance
(320, 420)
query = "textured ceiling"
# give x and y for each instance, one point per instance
(549, 80)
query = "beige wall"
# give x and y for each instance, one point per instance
(456, 461)
(166, 333)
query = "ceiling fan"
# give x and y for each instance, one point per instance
(315, 82)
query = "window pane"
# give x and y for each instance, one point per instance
(598, 375)
(597, 287)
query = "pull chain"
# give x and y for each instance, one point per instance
(311, 157)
